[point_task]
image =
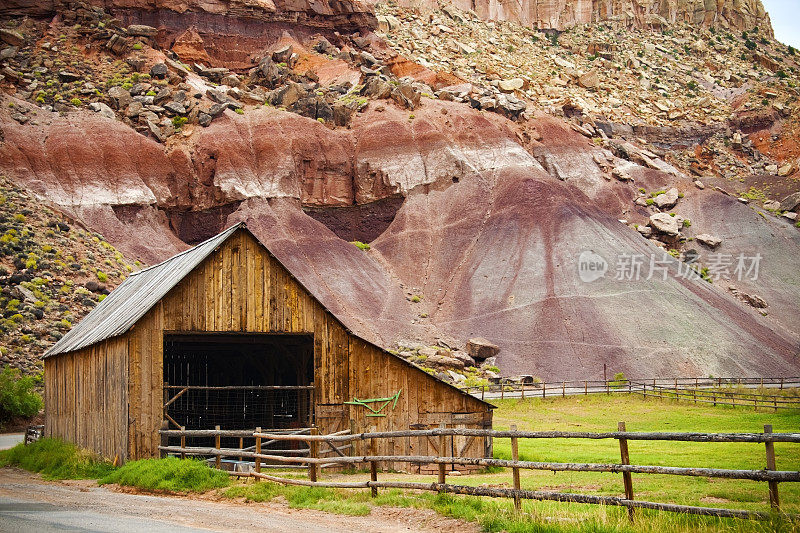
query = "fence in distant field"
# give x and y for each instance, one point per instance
(716, 391)
(367, 442)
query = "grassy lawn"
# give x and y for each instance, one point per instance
(601, 413)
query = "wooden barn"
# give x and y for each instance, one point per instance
(224, 335)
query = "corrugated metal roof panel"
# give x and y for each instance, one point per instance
(136, 296)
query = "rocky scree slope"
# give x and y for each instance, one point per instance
(477, 203)
(52, 272)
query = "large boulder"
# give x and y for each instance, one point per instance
(667, 200)
(791, 202)
(479, 348)
(708, 240)
(666, 224)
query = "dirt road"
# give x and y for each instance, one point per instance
(28, 504)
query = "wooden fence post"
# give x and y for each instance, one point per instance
(774, 500)
(626, 476)
(515, 470)
(258, 452)
(373, 466)
(164, 438)
(523, 389)
(353, 449)
(442, 466)
(502, 390)
(183, 442)
(217, 445)
(544, 389)
(313, 453)
(586, 388)
(483, 391)
(563, 389)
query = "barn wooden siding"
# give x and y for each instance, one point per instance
(86, 397)
(240, 287)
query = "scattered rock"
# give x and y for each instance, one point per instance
(590, 80)
(664, 223)
(159, 71)
(66, 76)
(204, 119)
(480, 349)
(175, 108)
(141, 30)
(442, 360)
(754, 300)
(463, 357)
(668, 199)
(509, 86)
(282, 54)
(456, 377)
(133, 109)
(708, 240)
(102, 109)
(12, 37)
(791, 202)
(620, 174)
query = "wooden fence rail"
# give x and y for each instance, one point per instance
(696, 390)
(769, 475)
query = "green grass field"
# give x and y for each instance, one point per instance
(602, 413)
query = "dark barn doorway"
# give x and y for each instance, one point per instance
(239, 381)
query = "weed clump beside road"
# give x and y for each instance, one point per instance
(56, 459)
(168, 474)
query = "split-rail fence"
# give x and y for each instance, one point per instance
(361, 448)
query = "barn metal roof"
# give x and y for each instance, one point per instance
(135, 296)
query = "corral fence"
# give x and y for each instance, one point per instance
(221, 449)
(741, 392)
(361, 451)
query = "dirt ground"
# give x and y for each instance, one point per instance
(127, 511)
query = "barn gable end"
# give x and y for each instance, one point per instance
(240, 287)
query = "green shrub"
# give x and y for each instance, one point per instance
(416, 298)
(102, 276)
(619, 380)
(361, 245)
(170, 473)
(17, 397)
(137, 46)
(56, 459)
(686, 222)
(178, 122)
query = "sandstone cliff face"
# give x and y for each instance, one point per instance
(229, 31)
(562, 14)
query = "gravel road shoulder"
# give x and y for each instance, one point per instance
(29, 503)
